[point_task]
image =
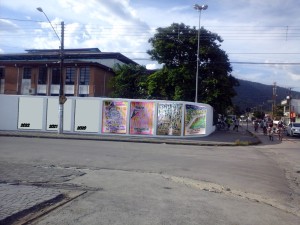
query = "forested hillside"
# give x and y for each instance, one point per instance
(252, 94)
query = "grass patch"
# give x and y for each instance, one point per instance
(242, 143)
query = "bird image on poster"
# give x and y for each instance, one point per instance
(141, 118)
(169, 119)
(114, 117)
(195, 120)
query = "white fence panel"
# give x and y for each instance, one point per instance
(31, 111)
(87, 115)
(53, 114)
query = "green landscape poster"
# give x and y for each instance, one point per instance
(195, 120)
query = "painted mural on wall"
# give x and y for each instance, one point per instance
(195, 120)
(114, 117)
(141, 118)
(169, 119)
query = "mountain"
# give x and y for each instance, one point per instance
(253, 94)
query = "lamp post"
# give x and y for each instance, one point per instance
(62, 98)
(198, 8)
(289, 103)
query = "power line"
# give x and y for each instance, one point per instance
(20, 20)
(238, 30)
(266, 63)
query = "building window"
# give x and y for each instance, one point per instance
(27, 73)
(70, 75)
(42, 75)
(55, 76)
(84, 75)
(2, 73)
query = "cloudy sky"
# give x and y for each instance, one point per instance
(261, 37)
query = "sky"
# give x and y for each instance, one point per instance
(261, 38)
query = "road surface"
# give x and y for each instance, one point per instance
(136, 183)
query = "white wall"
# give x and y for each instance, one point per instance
(9, 112)
(91, 115)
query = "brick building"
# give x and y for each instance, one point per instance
(86, 72)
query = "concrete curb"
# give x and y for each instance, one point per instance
(196, 141)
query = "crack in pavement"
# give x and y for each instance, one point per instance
(219, 189)
(206, 186)
(195, 184)
(211, 187)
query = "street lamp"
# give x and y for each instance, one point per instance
(62, 98)
(289, 102)
(198, 8)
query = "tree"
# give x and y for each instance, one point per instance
(259, 114)
(170, 84)
(278, 112)
(129, 81)
(175, 47)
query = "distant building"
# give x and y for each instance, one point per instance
(291, 110)
(86, 72)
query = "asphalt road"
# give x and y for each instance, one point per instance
(135, 183)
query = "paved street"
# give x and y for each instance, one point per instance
(146, 183)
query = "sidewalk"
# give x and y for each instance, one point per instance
(19, 200)
(218, 138)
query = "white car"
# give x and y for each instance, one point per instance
(293, 129)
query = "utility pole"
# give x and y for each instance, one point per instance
(290, 104)
(62, 97)
(274, 99)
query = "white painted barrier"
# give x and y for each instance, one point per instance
(107, 116)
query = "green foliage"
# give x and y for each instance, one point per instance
(279, 112)
(253, 94)
(258, 114)
(175, 47)
(172, 84)
(129, 82)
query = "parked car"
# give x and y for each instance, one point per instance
(293, 129)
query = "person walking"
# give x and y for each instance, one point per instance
(255, 125)
(270, 133)
(236, 125)
(265, 127)
(280, 130)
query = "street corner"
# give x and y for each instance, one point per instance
(240, 137)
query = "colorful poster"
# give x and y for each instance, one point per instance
(114, 117)
(195, 120)
(141, 117)
(169, 119)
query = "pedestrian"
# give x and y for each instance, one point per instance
(227, 121)
(236, 125)
(265, 126)
(280, 133)
(255, 125)
(270, 133)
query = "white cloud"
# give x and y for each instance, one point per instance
(247, 26)
(151, 66)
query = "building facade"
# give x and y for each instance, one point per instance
(291, 110)
(86, 72)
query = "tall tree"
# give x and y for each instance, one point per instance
(175, 47)
(129, 81)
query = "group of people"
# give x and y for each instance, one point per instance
(270, 129)
(225, 123)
